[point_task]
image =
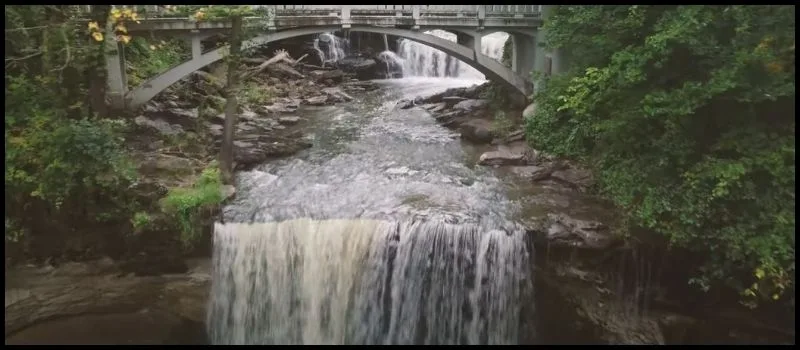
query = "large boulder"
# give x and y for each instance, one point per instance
(363, 68)
(477, 131)
(160, 125)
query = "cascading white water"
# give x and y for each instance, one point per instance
(424, 61)
(366, 281)
(330, 48)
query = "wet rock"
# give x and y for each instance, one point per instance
(317, 100)
(158, 163)
(477, 131)
(160, 125)
(532, 172)
(517, 153)
(578, 178)
(405, 104)
(471, 105)
(278, 108)
(38, 294)
(289, 120)
(435, 107)
(587, 234)
(335, 76)
(502, 157)
(363, 68)
(337, 95)
(360, 85)
(258, 149)
(451, 101)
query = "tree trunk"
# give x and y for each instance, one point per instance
(231, 105)
(97, 65)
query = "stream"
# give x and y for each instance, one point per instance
(385, 232)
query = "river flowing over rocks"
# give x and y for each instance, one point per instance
(366, 210)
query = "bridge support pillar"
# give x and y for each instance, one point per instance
(469, 41)
(415, 16)
(525, 56)
(346, 21)
(117, 79)
(197, 44)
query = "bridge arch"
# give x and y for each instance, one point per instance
(488, 66)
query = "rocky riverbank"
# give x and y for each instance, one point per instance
(43, 295)
(603, 287)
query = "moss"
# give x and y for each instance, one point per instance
(187, 204)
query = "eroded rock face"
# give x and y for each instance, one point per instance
(37, 294)
(568, 231)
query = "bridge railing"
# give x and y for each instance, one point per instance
(407, 10)
(154, 11)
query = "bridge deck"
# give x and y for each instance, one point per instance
(496, 17)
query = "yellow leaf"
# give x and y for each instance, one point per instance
(93, 26)
(152, 47)
(759, 273)
(121, 28)
(97, 36)
(754, 286)
(124, 38)
(116, 14)
(775, 297)
(127, 13)
(134, 16)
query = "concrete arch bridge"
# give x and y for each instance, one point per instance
(470, 23)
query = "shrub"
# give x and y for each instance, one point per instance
(686, 114)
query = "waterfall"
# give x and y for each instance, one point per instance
(367, 282)
(424, 61)
(330, 48)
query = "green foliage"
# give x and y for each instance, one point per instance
(141, 221)
(502, 125)
(686, 114)
(255, 94)
(148, 58)
(508, 50)
(73, 167)
(187, 204)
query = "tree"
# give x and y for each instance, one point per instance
(686, 114)
(231, 104)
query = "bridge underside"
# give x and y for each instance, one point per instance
(526, 57)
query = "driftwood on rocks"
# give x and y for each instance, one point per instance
(313, 67)
(280, 56)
